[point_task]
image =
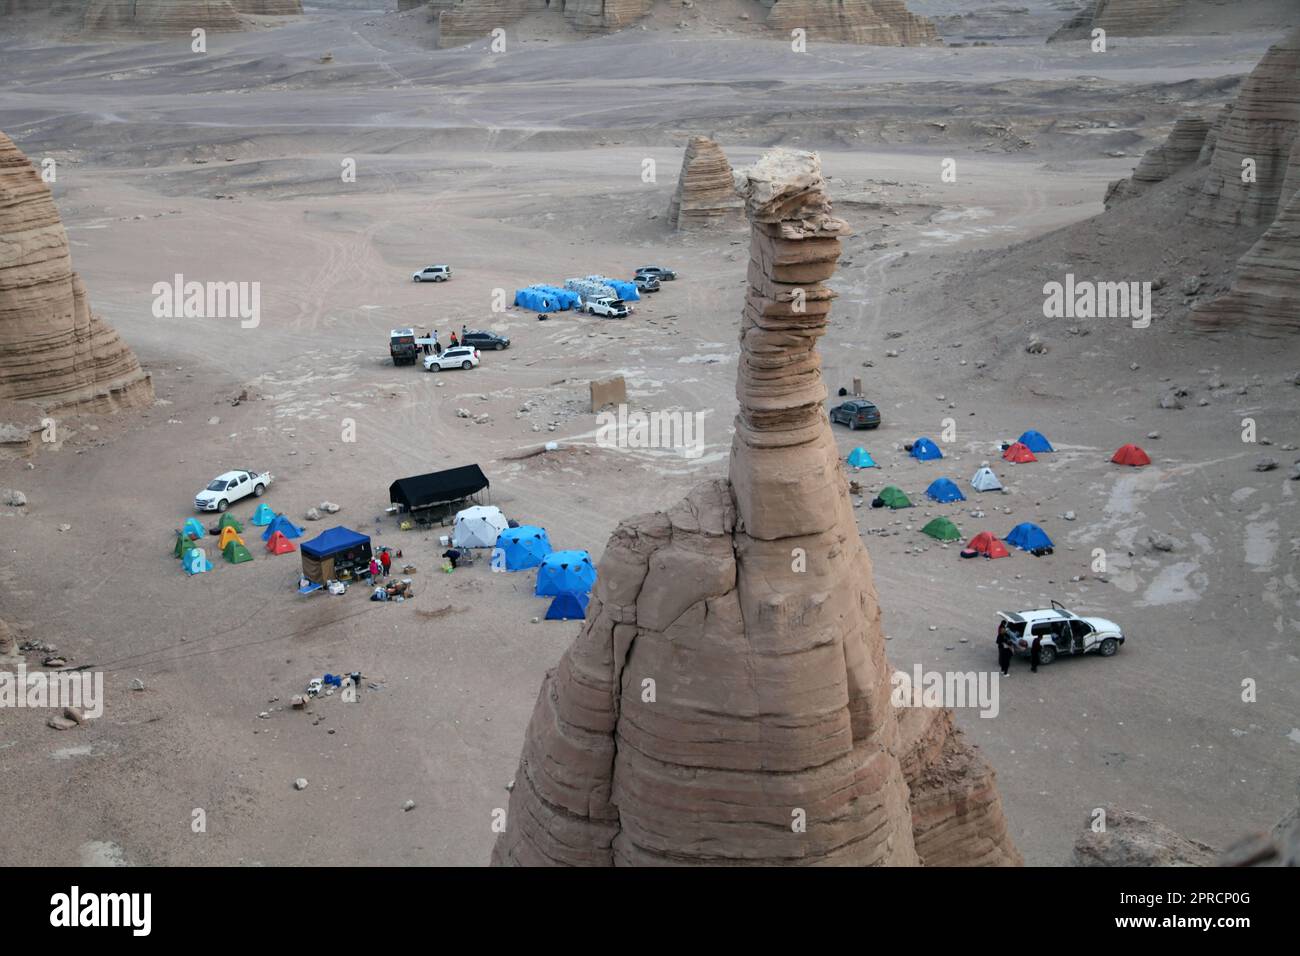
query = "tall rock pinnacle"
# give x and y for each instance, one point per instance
(728, 699)
(53, 351)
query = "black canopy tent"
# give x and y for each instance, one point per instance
(437, 488)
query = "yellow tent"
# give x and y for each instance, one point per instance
(228, 534)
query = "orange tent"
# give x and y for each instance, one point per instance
(1019, 453)
(987, 544)
(279, 544)
(228, 534)
(1131, 455)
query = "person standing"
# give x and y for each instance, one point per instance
(386, 561)
(1035, 653)
(1004, 650)
(454, 343)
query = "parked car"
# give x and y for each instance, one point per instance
(609, 308)
(659, 272)
(857, 413)
(646, 283)
(1062, 632)
(459, 357)
(432, 274)
(228, 487)
(485, 340)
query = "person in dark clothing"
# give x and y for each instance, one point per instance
(1035, 653)
(452, 556)
(1004, 650)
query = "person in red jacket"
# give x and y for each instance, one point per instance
(385, 560)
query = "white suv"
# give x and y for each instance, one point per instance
(1062, 632)
(432, 274)
(459, 357)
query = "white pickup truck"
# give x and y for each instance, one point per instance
(225, 489)
(609, 308)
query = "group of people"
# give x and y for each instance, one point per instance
(453, 341)
(1007, 649)
(379, 566)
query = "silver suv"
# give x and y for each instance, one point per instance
(1062, 632)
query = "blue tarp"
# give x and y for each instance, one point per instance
(545, 298)
(627, 291)
(1028, 537)
(925, 450)
(562, 571)
(331, 542)
(944, 490)
(1035, 442)
(861, 458)
(521, 548)
(568, 606)
(283, 524)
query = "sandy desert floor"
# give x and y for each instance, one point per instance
(527, 166)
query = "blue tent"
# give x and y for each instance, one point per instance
(194, 529)
(1035, 442)
(282, 524)
(263, 516)
(561, 298)
(861, 458)
(521, 548)
(567, 606)
(627, 291)
(925, 450)
(195, 561)
(1028, 537)
(562, 571)
(944, 490)
(332, 542)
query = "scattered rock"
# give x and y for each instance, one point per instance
(329, 507)
(462, 413)
(300, 783)
(1161, 542)
(312, 514)
(1266, 464)
(12, 497)
(136, 684)
(1036, 346)
(408, 806)
(61, 723)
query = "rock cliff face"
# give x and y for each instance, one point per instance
(1265, 295)
(601, 16)
(53, 351)
(469, 20)
(706, 191)
(728, 699)
(1262, 127)
(1129, 18)
(873, 22)
(270, 8)
(160, 17)
(1180, 150)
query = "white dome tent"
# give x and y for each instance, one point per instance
(478, 527)
(985, 480)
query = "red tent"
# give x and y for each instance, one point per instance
(1131, 455)
(987, 544)
(279, 544)
(1019, 453)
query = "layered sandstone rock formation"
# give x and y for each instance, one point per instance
(1129, 18)
(728, 699)
(1264, 298)
(160, 17)
(1179, 151)
(1262, 127)
(467, 20)
(602, 16)
(53, 351)
(873, 22)
(706, 194)
(270, 8)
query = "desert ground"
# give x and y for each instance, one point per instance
(526, 166)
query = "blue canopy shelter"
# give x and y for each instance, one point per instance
(333, 552)
(562, 571)
(1028, 537)
(568, 606)
(944, 490)
(282, 524)
(1035, 442)
(861, 458)
(925, 450)
(521, 548)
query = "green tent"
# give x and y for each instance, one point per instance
(942, 529)
(183, 544)
(236, 553)
(893, 497)
(229, 521)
